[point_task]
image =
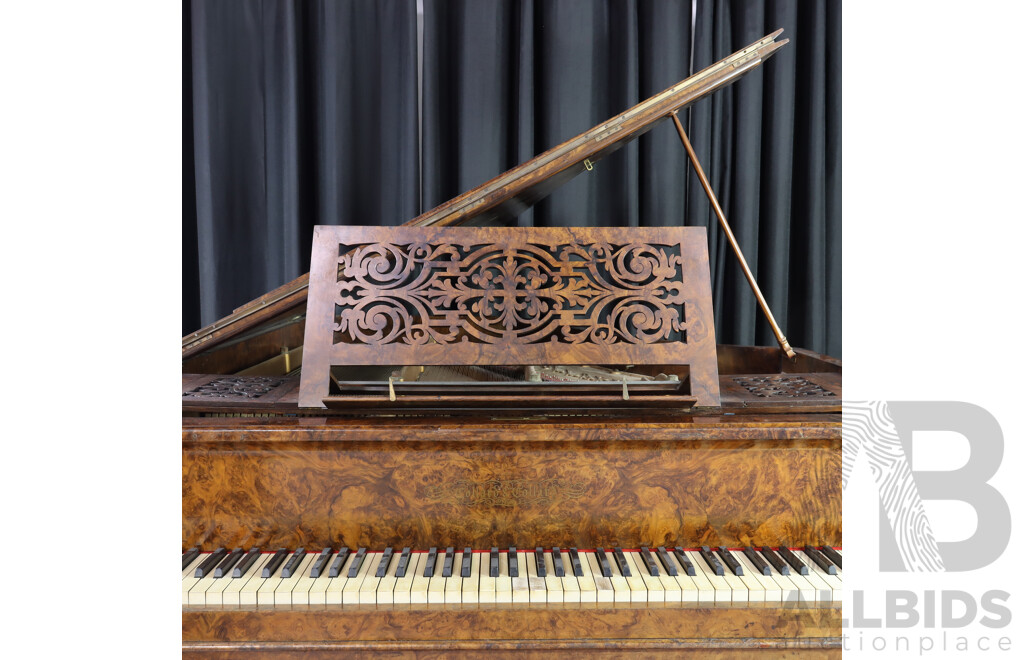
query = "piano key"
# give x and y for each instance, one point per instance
(283, 592)
(621, 590)
(643, 588)
(435, 588)
(830, 587)
(503, 583)
(197, 592)
(730, 561)
(775, 560)
(246, 563)
(449, 562)
(755, 561)
(711, 560)
(585, 579)
(453, 583)
(300, 593)
(403, 562)
(293, 563)
(403, 583)
(492, 570)
(574, 560)
(428, 568)
(384, 563)
(754, 590)
(357, 572)
(513, 562)
(188, 557)
(820, 559)
(602, 560)
(666, 562)
(570, 586)
(368, 587)
(552, 583)
(225, 566)
(320, 564)
(208, 564)
(833, 555)
(275, 562)
(387, 584)
(542, 570)
(529, 588)
(239, 592)
(357, 563)
(471, 582)
(620, 560)
(556, 559)
(340, 561)
(720, 591)
(467, 563)
(689, 591)
(648, 561)
(604, 592)
(769, 590)
(214, 594)
(806, 591)
(793, 561)
(684, 561)
(421, 579)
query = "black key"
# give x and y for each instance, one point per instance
(705, 552)
(385, 561)
(449, 560)
(321, 563)
(513, 562)
(820, 560)
(271, 566)
(775, 560)
(756, 560)
(620, 559)
(684, 561)
(210, 562)
(229, 561)
(293, 563)
(542, 569)
(730, 561)
(189, 557)
(493, 570)
(602, 560)
(403, 562)
(339, 563)
(357, 562)
(246, 564)
(652, 568)
(793, 560)
(556, 559)
(831, 553)
(669, 565)
(574, 559)
(428, 570)
(467, 562)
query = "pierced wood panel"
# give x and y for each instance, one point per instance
(509, 296)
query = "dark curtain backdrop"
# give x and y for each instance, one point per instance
(306, 113)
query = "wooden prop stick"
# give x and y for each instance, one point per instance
(783, 343)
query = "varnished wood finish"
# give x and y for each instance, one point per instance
(334, 482)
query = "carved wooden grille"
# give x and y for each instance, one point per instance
(233, 387)
(509, 293)
(792, 387)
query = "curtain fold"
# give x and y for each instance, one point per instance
(306, 113)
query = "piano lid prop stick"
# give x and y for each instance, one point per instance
(783, 343)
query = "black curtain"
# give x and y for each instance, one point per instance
(333, 86)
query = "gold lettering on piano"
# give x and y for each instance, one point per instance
(505, 492)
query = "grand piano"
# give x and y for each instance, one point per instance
(420, 498)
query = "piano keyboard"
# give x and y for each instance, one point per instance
(811, 576)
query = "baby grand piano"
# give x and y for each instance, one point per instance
(369, 501)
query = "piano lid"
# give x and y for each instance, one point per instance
(508, 195)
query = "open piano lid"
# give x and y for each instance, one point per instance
(506, 196)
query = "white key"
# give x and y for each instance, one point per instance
(188, 577)
(471, 585)
(197, 593)
(570, 586)
(722, 591)
(833, 589)
(670, 588)
(403, 585)
(453, 585)
(265, 595)
(638, 591)
(368, 588)
(770, 590)
(317, 593)
(420, 584)
(752, 586)
(334, 594)
(689, 592)
(350, 594)
(386, 586)
(528, 588)
(215, 594)
(808, 592)
(249, 593)
(503, 583)
(623, 594)
(487, 593)
(231, 595)
(604, 589)
(588, 589)
(283, 593)
(552, 583)
(655, 592)
(435, 589)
